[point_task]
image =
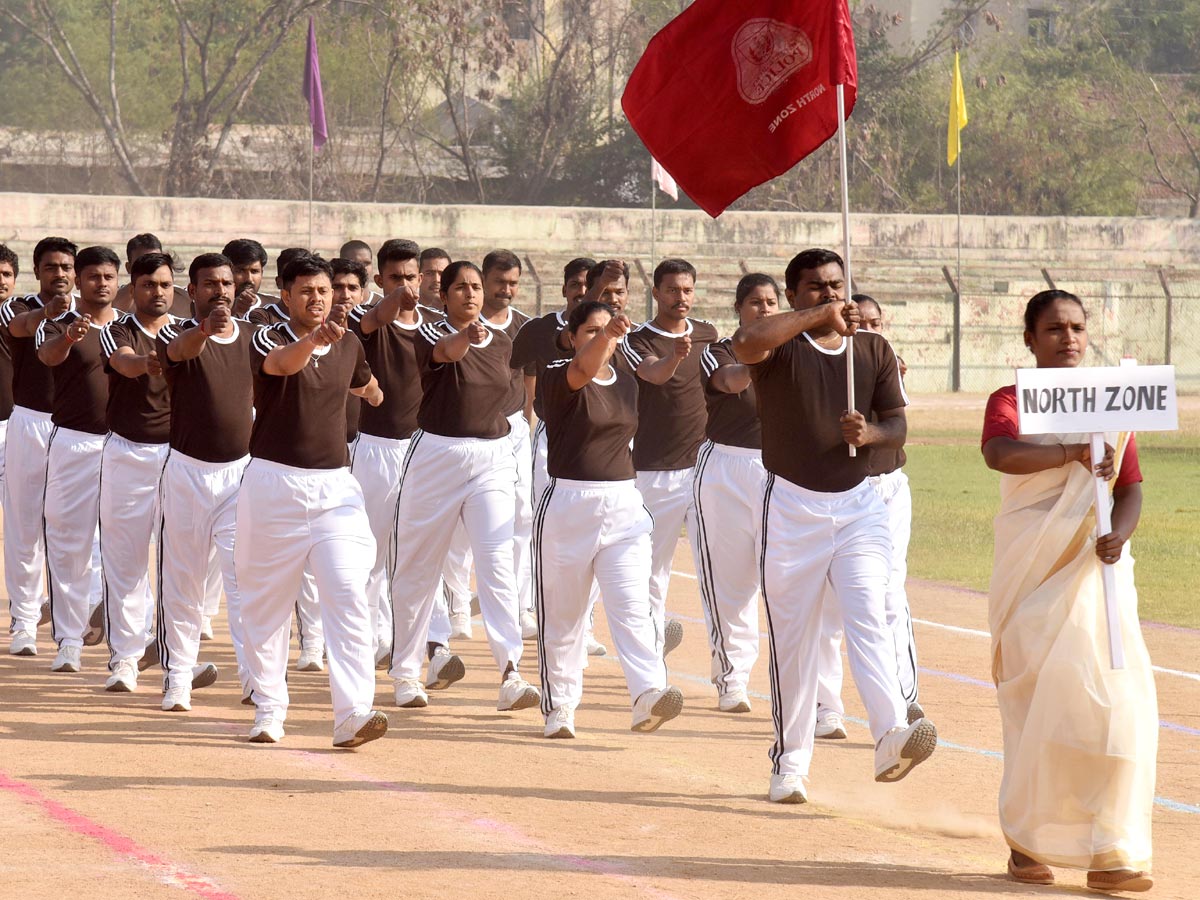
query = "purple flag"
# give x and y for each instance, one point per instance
(312, 90)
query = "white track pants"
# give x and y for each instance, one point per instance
(24, 495)
(453, 593)
(541, 459)
(291, 520)
(3, 442)
(668, 496)
(810, 538)
(376, 464)
(585, 531)
(518, 434)
(72, 516)
(727, 491)
(309, 627)
(446, 480)
(129, 488)
(893, 490)
(199, 507)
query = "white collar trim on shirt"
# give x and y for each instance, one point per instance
(317, 351)
(825, 350)
(497, 327)
(225, 340)
(605, 382)
(171, 320)
(687, 331)
(420, 322)
(562, 322)
(478, 346)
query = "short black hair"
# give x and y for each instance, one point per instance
(208, 261)
(1040, 301)
(867, 298)
(434, 253)
(286, 256)
(673, 267)
(145, 242)
(53, 245)
(451, 272)
(353, 246)
(243, 251)
(396, 250)
(149, 263)
(344, 266)
(502, 260)
(581, 313)
(7, 256)
(809, 259)
(748, 283)
(597, 269)
(300, 266)
(576, 266)
(96, 256)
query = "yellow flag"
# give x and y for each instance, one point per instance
(958, 116)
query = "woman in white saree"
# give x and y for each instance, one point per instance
(1080, 738)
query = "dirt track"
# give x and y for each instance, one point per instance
(103, 795)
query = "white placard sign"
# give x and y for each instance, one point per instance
(1091, 400)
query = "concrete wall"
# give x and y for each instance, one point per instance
(1112, 263)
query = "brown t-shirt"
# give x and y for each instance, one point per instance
(6, 378)
(32, 381)
(732, 418)
(80, 385)
(391, 354)
(516, 394)
(139, 409)
(292, 425)
(588, 431)
(212, 395)
(671, 416)
(270, 314)
(536, 346)
(801, 396)
(467, 398)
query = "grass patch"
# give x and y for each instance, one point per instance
(955, 497)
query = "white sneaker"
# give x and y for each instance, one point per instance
(94, 633)
(360, 728)
(830, 725)
(311, 660)
(123, 679)
(24, 643)
(529, 629)
(734, 701)
(444, 669)
(672, 635)
(787, 789)
(68, 660)
(206, 632)
(204, 675)
(902, 748)
(178, 698)
(267, 729)
(460, 625)
(410, 694)
(595, 648)
(517, 693)
(654, 708)
(561, 723)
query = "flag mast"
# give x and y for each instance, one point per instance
(841, 107)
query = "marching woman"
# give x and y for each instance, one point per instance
(591, 523)
(727, 489)
(459, 467)
(1079, 737)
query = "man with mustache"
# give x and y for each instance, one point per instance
(665, 354)
(29, 436)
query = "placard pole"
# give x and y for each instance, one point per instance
(1116, 647)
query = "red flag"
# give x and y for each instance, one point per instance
(730, 95)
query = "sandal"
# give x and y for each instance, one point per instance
(1028, 871)
(1120, 880)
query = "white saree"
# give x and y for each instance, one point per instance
(1080, 739)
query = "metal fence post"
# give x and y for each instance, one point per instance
(956, 335)
(537, 281)
(1167, 337)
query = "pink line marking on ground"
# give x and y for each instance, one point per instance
(124, 847)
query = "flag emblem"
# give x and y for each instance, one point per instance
(767, 52)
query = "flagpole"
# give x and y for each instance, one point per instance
(957, 374)
(653, 234)
(312, 139)
(841, 107)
